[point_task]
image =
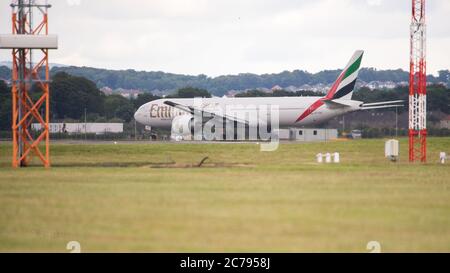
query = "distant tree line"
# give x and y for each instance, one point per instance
(438, 97)
(190, 92)
(278, 93)
(73, 97)
(5, 107)
(218, 86)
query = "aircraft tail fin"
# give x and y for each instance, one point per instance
(343, 87)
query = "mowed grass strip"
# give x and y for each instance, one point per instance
(109, 198)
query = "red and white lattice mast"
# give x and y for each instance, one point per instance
(418, 85)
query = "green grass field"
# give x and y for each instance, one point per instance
(111, 198)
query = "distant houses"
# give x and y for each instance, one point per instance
(126, 93)
(445, 123)
(322, 88)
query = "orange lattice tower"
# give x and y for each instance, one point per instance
(30, 43)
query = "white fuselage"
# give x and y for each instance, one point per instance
(293, 111)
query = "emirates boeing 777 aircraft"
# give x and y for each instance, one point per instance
(293, 111)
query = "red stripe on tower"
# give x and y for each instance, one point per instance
(417, 84)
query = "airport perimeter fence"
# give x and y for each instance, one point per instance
(366, 133)
(6, 135)
(392, 132)
(91, 136)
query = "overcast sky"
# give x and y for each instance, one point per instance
(216, 37)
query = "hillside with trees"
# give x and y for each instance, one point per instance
(166, 83)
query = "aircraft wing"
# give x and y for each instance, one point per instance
(382, 104)
(195, 110)
(341, 103)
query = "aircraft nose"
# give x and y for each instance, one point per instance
(139, 116)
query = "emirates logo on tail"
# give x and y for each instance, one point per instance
(342, 88)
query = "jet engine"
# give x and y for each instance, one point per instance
(182, 128)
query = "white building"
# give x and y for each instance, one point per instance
(81, 128)
(445, 123)
(309, 135)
